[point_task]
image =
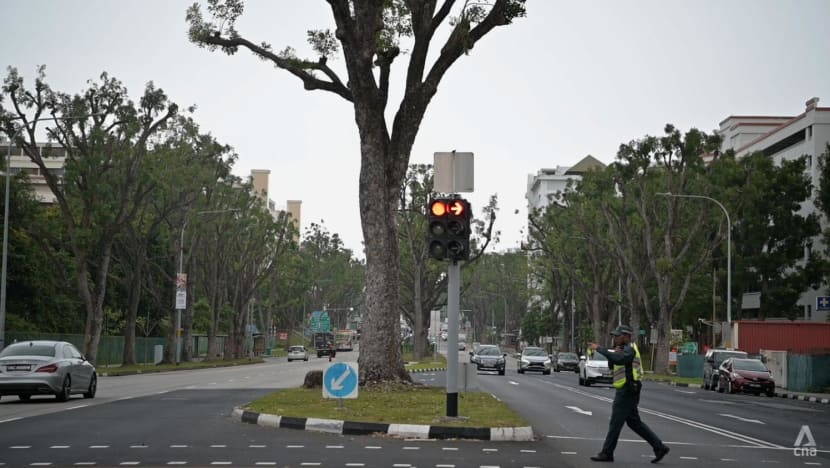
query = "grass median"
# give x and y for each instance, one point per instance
(394, 403)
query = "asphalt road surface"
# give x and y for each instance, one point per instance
(183, 419)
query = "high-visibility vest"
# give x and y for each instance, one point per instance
(636, 369)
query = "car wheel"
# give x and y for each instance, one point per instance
(714, 385)
(706, 385)
(587, 383)
(93, 387)
(521, 371)
(546, 372)
(24, 397)
(306, 359)
(556, 369)
(770, 393)
(65, 391)
(501, 372)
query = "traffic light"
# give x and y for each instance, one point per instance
(449, 229)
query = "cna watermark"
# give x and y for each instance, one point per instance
(805, 444)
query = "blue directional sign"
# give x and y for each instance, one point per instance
(822, 303)
(340, 380)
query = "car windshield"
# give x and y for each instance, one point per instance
(29, 350)
(720, 357)
(749, 365)
(535, 352)
(597, 357)
(568, 356)
(489, 351)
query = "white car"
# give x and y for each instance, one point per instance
(297, 353)
(534, 359)
(594, 369)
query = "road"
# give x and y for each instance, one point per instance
(183, 419)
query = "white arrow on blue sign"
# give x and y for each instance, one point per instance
(822, 303)
(340, 380)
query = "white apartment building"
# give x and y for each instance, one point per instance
(786, 138)
(53, 157)
(547, 182)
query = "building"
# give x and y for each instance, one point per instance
(786, 138)
(259, 181)
(548, 182)
(53, 157)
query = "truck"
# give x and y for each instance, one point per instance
(343, 340)
(324, 344)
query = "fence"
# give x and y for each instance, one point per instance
(111, 348)
(808, 373)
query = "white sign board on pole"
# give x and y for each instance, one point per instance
(453, 172)
(181, 299)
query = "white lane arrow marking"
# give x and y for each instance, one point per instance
(741, 419)
(579, 410)
(337, 383)
(513, 383)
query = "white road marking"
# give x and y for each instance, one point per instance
(444, 466)
(178, 446)
(512, 382)
(685, 391)
(728, 459)
(219, 446)
(265, 463)
(129, 463)
(489, 466)
(220, 463)
(10, 420)
(60, 446)
(40, 464)
(527, 451)
(688, 458)
(580, 410)
(257, 446)
(740, 418)
(162, 392)
(494, 396)
(310, 464)
(99, 446)
(568, 453)
(412, 448)
(401, 465)
(373, 447)
(125, 398)
(355, 464)
(334, 446)
(813, 463)
(84, 463)
(76, 407)
(450, 449)
(294, 446)
(489, 450)
(770, 461)
(177, 463)
(139, 446)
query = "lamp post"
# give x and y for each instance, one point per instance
(728, 256)
(6, 221)
(180, 274)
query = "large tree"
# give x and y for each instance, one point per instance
(105, 137)
(369, 33)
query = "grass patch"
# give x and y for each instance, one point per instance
(402, 404)
(152, 368)
(673, 378)
(428, 362)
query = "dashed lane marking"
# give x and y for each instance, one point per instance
(220, 463)
(20, 447)
(728, 459)
(177, 463)
(450, 449)
(257, 446)
(412, 448)
(444, 466)
(527, 451)
(489, 450)
(219, 446)
(265, 463)
(76, 407)
(84, 463)
(310, 464)
(355, 464)
(512, 382)
(59, 447)
(294, 446)
(99, 446)
(688, 458)
(139, 446)
(40, 464)
(129, 463)
(373, 447)
(334, 446)
(401, 465)
(178, 446)
(568, 453)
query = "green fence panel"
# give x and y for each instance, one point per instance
(807, 373)
(690, 365)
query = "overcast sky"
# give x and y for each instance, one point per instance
(571, 79)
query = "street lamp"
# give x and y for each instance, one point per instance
(728, 255)
(6, 220)
(183, 286)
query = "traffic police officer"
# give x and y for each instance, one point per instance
(627, 373)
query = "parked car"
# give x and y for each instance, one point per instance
(593, 368)
(297, 353)
(566, 362)
(489, 358)
(462, 346)
(712, 362)
(54, 368)
(745, 375)
(534, 359)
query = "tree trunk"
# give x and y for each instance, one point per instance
(134, 299)
(94, 301)
(421, 322)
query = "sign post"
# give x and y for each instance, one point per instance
(340, 381)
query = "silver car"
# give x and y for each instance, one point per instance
(46, 368)
(297, 353)
(534, 359)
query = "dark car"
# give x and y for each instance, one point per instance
(712, 362)
(489, 358)
(566, 362)
(745, 375)
(46, 368)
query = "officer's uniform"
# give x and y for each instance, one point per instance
(627, 372)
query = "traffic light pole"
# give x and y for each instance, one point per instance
(453, 300)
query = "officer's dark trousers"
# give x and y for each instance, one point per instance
(624, 411)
